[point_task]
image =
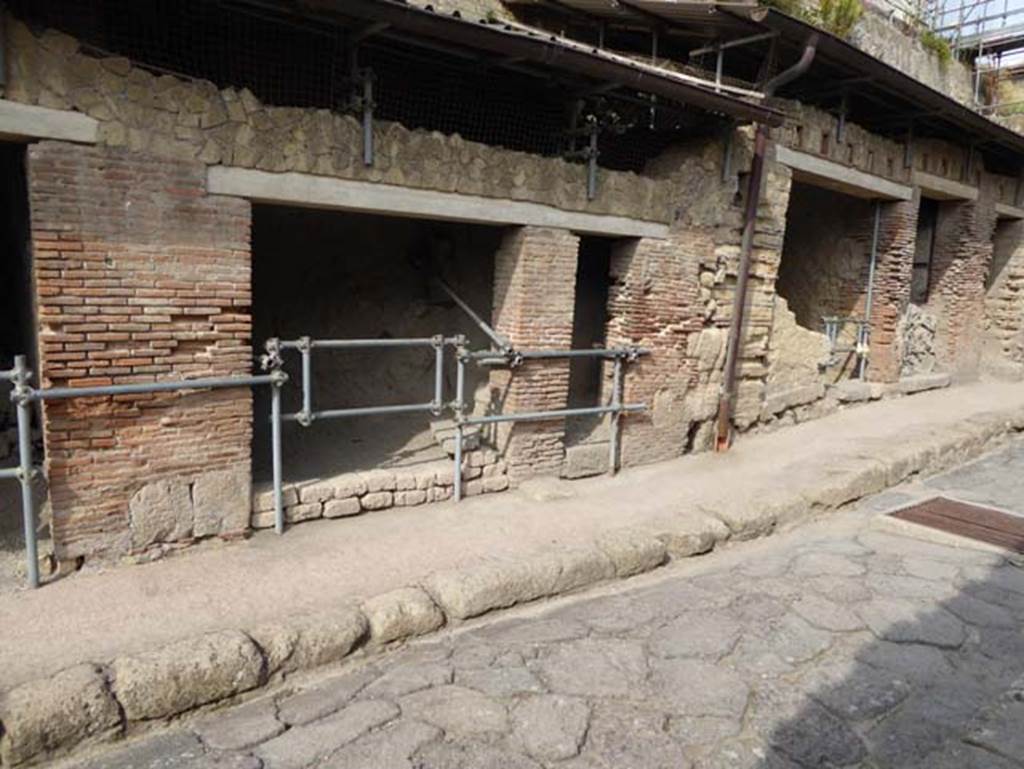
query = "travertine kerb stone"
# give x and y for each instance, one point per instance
(186, 674)
(310, 641)
(71, 708)
(401, 613)
(748, 517)
(632, 551)
(840, 484)
(468, 592)
(690, 533)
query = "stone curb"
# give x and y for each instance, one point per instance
(90, 703)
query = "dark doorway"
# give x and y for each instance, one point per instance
(342, 275)
(589, 320)
(924, 250)
(17, 337)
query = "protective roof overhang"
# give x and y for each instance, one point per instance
(879, 97)
(518, 44)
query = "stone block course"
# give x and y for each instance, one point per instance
(194, 120)
(355, 493)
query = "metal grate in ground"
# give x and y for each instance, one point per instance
(983, 524)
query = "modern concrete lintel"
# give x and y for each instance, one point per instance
(25, 122)
(820, 172)
(1006, 211)
(940, 188)
(309, 190)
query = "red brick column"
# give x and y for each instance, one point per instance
(140, 276)
(960, 264)
(534, 292)
(654, 303)
(897, 234)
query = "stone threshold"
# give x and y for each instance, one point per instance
(98, 701)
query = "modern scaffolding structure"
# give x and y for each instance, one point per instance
(987, 33)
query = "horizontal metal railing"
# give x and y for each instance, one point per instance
(305, 346)
(512, 357)
(24, 395)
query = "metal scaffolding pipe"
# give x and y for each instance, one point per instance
(22, 399)
(730, 382)
(307, 379)
(438, 375)
(864, 332)
(9, 472)
(613, 440)
(211, 383)
(460, 406)
(353, 344)
(275, 447)
(541, 416)
(493, 335)
(362, 411)
(490, 357)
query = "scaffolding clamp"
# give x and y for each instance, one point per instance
(271, 359)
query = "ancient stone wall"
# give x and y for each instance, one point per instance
(140, 275)
(916, 336)
(893, 44)
(1004, 301)
(708, 226)
(195, 120)
(956, 296)
(897, 234)
(534, 292)
(816, 132)
(654, 303)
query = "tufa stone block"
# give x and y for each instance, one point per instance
(401, 613)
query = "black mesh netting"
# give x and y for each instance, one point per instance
(293, 61)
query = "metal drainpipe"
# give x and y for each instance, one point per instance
(726, 403)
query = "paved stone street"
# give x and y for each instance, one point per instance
(840, 644)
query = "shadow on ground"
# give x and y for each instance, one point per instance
(937, 688)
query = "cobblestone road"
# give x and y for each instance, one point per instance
(839, 645)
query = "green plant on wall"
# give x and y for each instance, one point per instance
(836, 16)
(839, 16)
(937, 45)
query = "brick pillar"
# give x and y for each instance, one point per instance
(956, 295)
(140, 276)
(897, 234)
(534, 293)
(654, 303)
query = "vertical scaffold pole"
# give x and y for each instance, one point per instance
(460, 395)
(306, 350)
(864, 333)
(24, 408)
(438, 342)
(275, 440)
(613, 441)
